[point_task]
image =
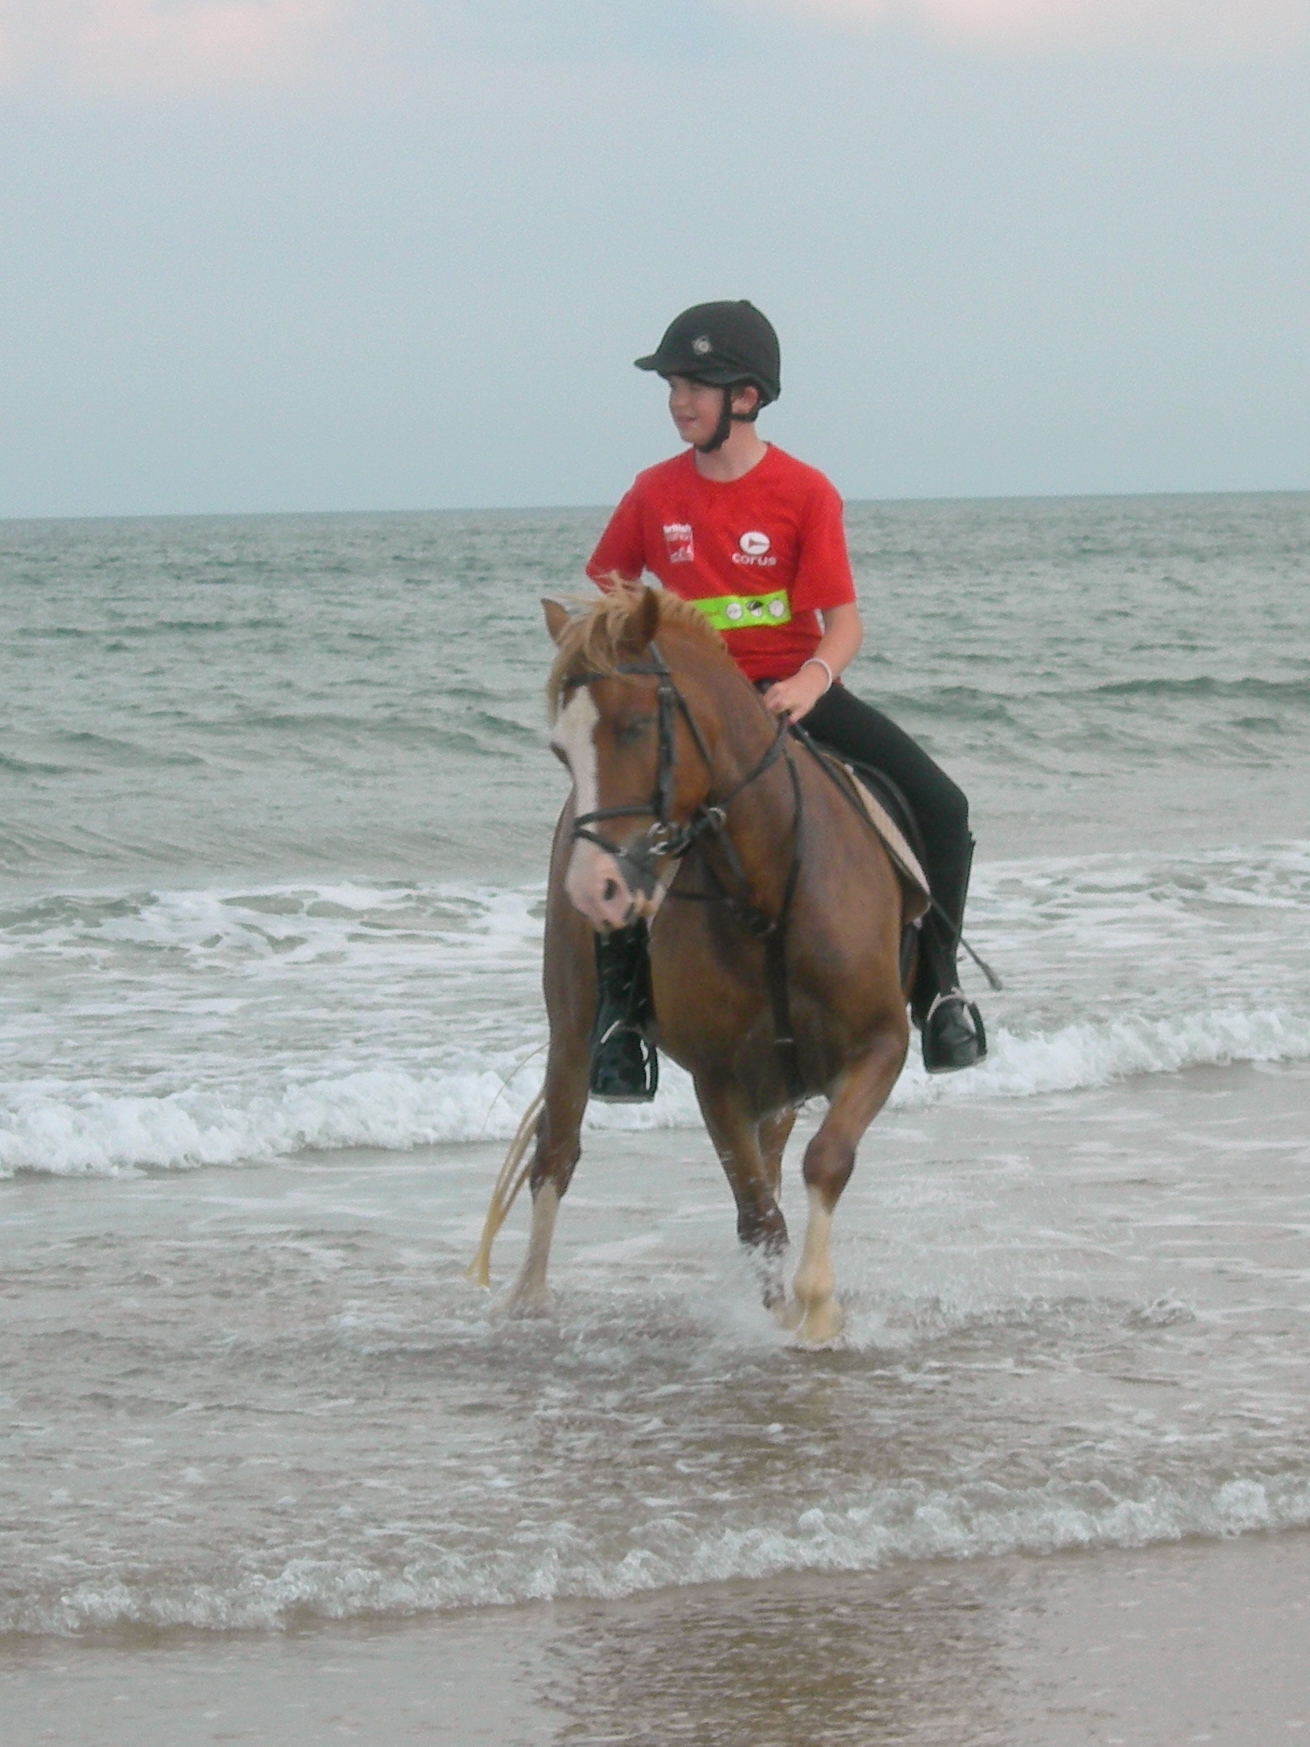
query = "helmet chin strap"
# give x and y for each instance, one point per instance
(722, 429)
(727, 418)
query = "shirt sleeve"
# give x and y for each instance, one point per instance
(823, 574)
(622, 546)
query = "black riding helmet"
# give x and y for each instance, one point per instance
(725, 345)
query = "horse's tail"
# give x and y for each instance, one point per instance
(513, 1175)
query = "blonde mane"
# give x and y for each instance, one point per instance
(592, 639)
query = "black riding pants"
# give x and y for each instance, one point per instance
(864, 735)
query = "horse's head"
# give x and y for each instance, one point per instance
(639, 760)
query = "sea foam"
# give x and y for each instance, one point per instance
(894, 1523)
(66, 1132)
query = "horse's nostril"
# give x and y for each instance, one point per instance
(611, 891)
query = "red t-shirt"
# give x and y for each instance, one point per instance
(767, 550)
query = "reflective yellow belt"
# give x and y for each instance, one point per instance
(740, 612)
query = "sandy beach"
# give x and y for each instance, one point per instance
(1196, 1642)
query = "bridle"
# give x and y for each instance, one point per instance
(668, 840)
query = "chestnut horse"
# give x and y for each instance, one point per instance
(775, 916)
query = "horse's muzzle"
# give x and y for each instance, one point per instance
(612, 889)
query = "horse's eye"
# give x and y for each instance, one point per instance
(630, 732)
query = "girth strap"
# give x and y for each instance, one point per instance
(772, 930)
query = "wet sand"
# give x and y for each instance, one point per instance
(1194, 1642)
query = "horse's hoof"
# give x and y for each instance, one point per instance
(774, 1297)
(819, 1325)
(527, 1307)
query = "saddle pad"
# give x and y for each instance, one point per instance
(904, 860)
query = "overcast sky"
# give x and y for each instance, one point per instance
(374, 254)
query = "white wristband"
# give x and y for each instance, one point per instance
(818, 661)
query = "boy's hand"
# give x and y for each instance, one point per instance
(797, 696)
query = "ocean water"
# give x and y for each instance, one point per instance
(276, 810)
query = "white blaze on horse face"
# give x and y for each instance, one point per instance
(593, 882)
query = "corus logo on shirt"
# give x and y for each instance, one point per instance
(677, 537)
(754, 549)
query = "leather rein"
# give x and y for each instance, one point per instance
(669, 840)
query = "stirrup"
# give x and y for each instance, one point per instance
(624, 1063)
(625, 1067)
(954, 1036)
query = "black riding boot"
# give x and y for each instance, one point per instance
(952, 1027)
(624, 1064)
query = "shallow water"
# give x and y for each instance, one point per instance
(275, 806)
(239, 1398)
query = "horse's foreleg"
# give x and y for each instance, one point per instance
(858, 1096)
(569, 985)
(558, 1144)
(529, 1295)
(736, 1136)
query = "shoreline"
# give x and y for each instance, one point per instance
(1177, 1642)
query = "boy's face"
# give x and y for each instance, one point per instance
(695, 407)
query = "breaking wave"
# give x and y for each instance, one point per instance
(901, 1522)
(91, 1133)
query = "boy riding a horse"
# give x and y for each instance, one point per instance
(754, 540)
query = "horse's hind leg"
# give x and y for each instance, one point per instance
(736, 1134)
(858, 1096)
(774, 1133)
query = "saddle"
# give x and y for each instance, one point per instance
(892, 819)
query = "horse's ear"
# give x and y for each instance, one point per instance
(557, 618)
(642, 624)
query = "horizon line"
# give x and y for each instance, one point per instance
(545, 508)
